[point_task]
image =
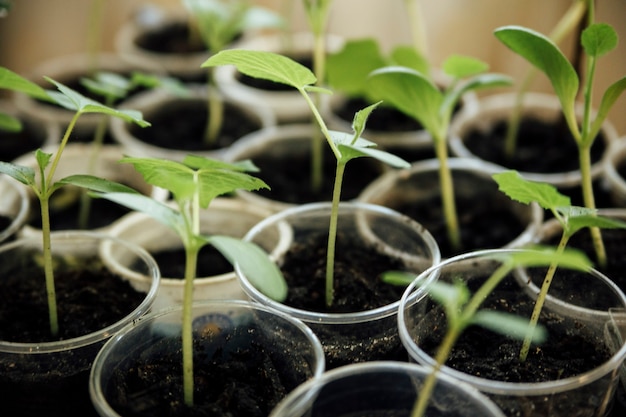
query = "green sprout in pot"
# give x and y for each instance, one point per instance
(218, 23)
(345, 146)
(462, 309)
(416, 95)
(571, 218)
(565, 26)
(597, 40)
(47, 163)
(194, 183)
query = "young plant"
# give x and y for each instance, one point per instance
(45, 186)
(194, 183)
(462, 309)
(317, 12)
(345, 146)
(597, 40)
(571, 218)
(416, 24)
(566, 25)
(218, 23)
(416, 95)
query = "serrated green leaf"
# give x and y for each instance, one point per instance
(265, 65)
(10, 80)
(524, 191)
(360, 119)
(262, 273)
(25, 175)
(509, 325)
(577, 223)
(42, 158)
(610, 96)
(198, 162)
(461, 66)
(9, 123)
(598, 39)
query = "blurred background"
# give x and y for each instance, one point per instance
(36, 30)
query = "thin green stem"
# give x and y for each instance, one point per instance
(215, 114)
(443, 352)
(317, 145)
(584, 152)
(44, 199)
(447, 194)
(416, 22)
(321, 123)
(187, 330)
(541, 299)
(64, 140)
(332, 233)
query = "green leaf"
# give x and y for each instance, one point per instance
(544, 256)
(509, 325)
(75, 101)
(9, 80)
(408, 56)
(108, 85)
(598, 39)
(348, 69)
(461, 66)
(264, 65)
(360, 119)
(9, 123)
(541, 52)
(93, 183)
(262, 273)
(399, 278)
(577, 223)
(42, 158)
(147, 205)
(524, 191)
(609, 98)
(477, 82)
(25, 175)
(410, 92)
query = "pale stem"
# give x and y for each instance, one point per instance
(418, 31)
(447, 194)
(187, 328)
(48, 269)
(332, 233)
(317, 145)
(215, 114)
(589, 200)
(541, 299)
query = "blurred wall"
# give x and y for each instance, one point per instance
(36, 30)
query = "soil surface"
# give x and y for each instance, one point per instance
(289, 176)
(182, 126)
(238, 372)
(358, 287)
(87, 302)
(170, 39)
(542, 147)
(15, 144)
(210, 262)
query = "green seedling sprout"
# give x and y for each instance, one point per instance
(597, 40)
(317, 12)
(345, 146)
(47, 162)
(194, 183)
(416, 24)
(463, 309)
(218, 23)
(571, 218)
(416, 95)
(113, 87)
(566, 25)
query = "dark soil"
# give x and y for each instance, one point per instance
(87, 301)
(238, 372)
(383, 119)
(13, 145)
(289, 176)
(210, 262)
(493, 356)
(181, 125)
(169, 39)
(5, 222)
(542, 147)
(65, 207)
(358, 287)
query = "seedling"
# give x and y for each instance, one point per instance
(571, 218)
(218, 23)
(416, 24)
(566, 25)
(597, 40)
(416, 95)
(194, 183)
(345, 146)
(463, 309)
(47, 163)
